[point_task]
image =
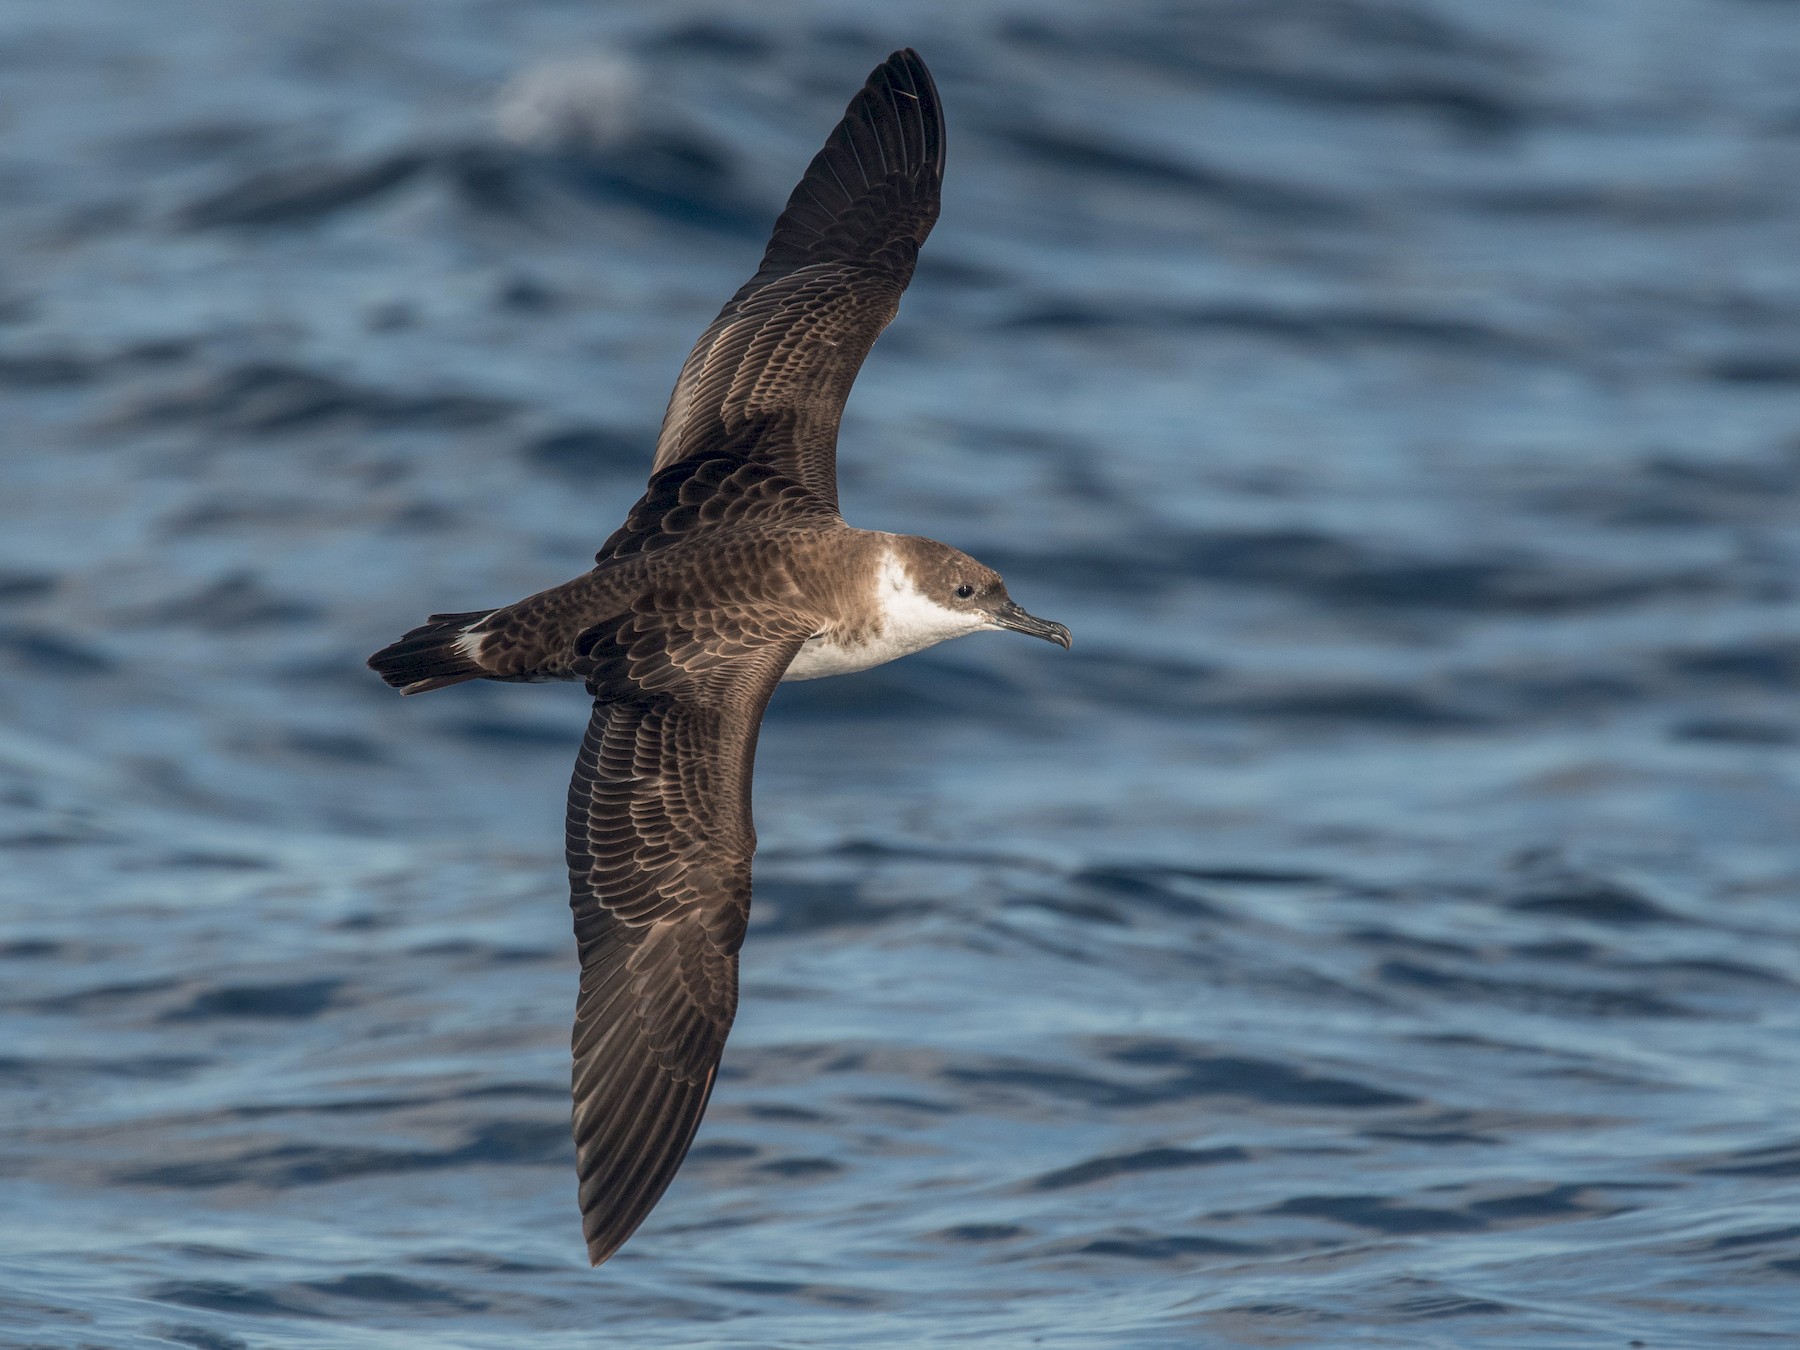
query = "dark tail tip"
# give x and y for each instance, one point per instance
(433, 655)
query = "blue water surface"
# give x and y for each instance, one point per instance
(1380, 930)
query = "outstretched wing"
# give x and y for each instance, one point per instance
(659, 847)
(786, 348)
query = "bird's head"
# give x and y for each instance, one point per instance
(926, 583)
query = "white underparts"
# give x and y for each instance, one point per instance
(910, 621)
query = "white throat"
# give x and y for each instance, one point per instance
(910, 621)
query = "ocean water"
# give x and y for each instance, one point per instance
(1379, 931)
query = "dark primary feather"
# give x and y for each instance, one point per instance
(789, 343)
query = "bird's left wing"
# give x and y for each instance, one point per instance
(659, 846)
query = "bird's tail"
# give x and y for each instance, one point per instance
(444, 650)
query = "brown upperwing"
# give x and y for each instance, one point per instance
(659, 846)
(788, 345)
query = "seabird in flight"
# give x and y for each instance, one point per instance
(733, 572)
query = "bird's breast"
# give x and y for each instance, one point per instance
(829, 654)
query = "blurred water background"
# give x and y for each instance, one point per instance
(1379, 931)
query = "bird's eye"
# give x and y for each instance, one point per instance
(964, 591)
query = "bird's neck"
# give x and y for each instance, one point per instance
(876, 612)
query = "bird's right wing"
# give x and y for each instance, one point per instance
(784, 351)
(659, 846)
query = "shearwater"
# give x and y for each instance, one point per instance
(733, 572)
